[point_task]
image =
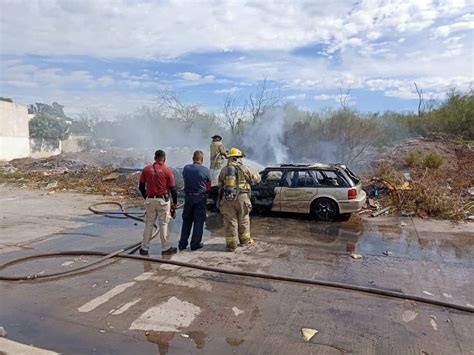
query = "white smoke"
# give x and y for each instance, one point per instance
(264, 141)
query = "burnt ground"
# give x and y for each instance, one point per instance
(140, 307)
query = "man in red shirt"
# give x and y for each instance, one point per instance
(156, 186)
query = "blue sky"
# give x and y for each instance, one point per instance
(116, 55)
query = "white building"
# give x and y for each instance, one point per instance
(14, 131)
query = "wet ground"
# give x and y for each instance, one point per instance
(131, 306)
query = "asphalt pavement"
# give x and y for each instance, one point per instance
(129, 306)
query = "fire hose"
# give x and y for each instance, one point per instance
(126, 253)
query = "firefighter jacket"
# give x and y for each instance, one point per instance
(245, 176)
(218, 155)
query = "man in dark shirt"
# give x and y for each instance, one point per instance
(156, 185)
(197, 182)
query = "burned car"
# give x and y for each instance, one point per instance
(326, 191)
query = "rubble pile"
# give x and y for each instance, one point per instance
(95, 172)
(427, 179)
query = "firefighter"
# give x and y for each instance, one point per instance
(218, 153)
(234, 194)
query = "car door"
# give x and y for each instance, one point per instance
(266, 194)
(298, 188)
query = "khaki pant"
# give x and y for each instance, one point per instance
(156, 207)
(236, 220)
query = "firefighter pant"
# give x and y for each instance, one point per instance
(156, 208)
(236, 220)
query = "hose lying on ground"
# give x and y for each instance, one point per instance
(120, 254)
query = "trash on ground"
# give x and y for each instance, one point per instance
(308, 333)
(387, 253)
(428, 293)
(433, 324)
(185, 335)
(409, 315)
(52, 185)
(101, 331)
(237, 311)
(111, 176)
(372, 203)
(423, 214)
(3, 332)
(382, 211)
(356, 256)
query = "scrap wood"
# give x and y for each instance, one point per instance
(382, 211)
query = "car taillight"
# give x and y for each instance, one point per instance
(352, 194)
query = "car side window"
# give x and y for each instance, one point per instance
(310, 179)
(272, 177)
(291, 178)
(299, 178)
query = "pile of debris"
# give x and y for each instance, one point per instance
(68, 173)
(426, 179)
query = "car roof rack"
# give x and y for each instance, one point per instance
(294, 165)
(308, 165)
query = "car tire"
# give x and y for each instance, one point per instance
(325, 209)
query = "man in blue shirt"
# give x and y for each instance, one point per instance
(197, 182)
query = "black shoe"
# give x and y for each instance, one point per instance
(201, 245)
(182, 248)
(169, 251)
(144, 252)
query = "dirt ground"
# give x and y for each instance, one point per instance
(140, 307)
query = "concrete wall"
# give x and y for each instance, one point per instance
(14, 131)
(76, 144)
(43, 148)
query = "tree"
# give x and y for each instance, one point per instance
(421, 100)
(170, 103)
(233, 114)
(344, 98)
(46, 127)
(263, 99)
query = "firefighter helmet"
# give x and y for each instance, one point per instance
(235, 153)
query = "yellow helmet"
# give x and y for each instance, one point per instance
(234, 153)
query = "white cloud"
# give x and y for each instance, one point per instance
(17, 74)
(369, 44)
(298, 97)
(191, 79)
(189, 76)
(151, 29)
(325, 97)
(230, 91)
(446, 30)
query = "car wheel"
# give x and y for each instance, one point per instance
(325, 209)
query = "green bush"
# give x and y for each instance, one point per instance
(433, 160)
(47, 127)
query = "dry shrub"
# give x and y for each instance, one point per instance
(388, 173)
(416, 159)
(433, 160)
(413, 158)
(430, 196)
